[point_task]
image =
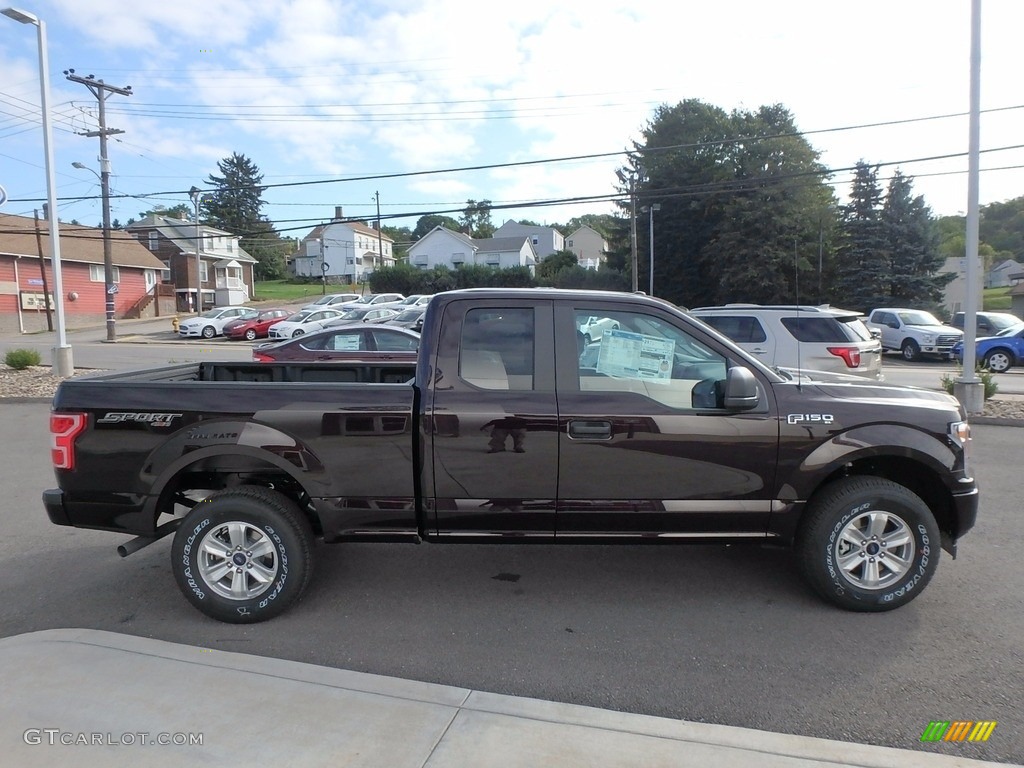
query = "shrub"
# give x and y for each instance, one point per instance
(20, 359)
(988, 381)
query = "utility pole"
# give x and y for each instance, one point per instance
(100, 90)
(42, 274)
(380, 239)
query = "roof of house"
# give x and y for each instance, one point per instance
(356, 226)
(502, 244)
(182, 233)
(77, 243)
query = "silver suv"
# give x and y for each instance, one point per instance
(801, 337)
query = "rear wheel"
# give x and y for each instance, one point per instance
(998, 360)
(910, 350)
(868, 544)
(243, 555)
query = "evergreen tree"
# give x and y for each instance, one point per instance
(234, 206)
(476, 219)
(912, 247)
(861, 276)
(431, 221)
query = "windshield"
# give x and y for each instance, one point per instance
(1013, 330)
(212, 313)
(355, 314)
(918, 318)
(364, 300)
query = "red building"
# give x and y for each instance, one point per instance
(25, 277)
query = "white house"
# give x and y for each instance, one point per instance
(442, 246)
(999, 275)
(343, 251)
(590, 247)
(545, 240)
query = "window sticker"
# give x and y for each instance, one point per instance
(635, 355)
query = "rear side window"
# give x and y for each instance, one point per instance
(739, 328)
(820, 329)
(497, 348)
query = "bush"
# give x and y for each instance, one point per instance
(987, 380)
(20, 359)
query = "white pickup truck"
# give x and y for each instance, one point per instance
(914, 332)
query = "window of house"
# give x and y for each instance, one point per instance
(535, 240)
(203, 272)
(209, 243)
(165, 273)
(568, 243)
(96, 273)
(153, 240)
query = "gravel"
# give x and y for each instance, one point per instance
(39, 382)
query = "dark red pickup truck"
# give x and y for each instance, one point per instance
(509, 428)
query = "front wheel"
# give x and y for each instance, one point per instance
(243, 555)
(297, 332)
(868, 544)
(998, 361)
(250, 334)
(910, 350)
(209, 332)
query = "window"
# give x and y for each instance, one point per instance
(647, 356)
(535, 240)
(827, 329)
(96, 273)
(741, 329)
(458, 258)
(165, 273)
(209, 242)
(497, 348)
(231, 245)
(203, 271)
(568, 243)
(395, 342)
(153, 240)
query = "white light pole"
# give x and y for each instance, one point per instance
(63, 364)
(654, 207)
(196, 196)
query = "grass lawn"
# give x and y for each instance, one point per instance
(282, 290)
(996, 299)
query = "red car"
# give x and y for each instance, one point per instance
(255, 327)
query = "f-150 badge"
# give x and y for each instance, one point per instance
(810, 418)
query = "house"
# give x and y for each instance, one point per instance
(590, 247)
(443, 247)
(25, 284)
(343, 251)
(545, 240)
(225, 270)
(1000, 274)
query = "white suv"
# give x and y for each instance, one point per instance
(801, 337)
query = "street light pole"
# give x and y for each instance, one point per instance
(62, 358)
(653, 207)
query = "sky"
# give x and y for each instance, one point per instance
(431, 103)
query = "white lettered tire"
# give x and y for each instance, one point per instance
(243, 555)
(868, 544)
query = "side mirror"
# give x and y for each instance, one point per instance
(740, 389)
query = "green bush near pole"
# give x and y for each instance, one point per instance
(20, 359)
(988, 381)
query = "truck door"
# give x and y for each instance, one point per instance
(491, 421)
(645, 446)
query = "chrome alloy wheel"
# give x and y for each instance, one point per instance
(238, 561)
(874, 550)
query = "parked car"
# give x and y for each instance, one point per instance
(997, 353)
(914, 332)
(800, 337)
(257, 327)
(375, 299)
(332, 299)
(410, 318)
(302, 322)
(593, 328)
(987, 323)
(382, 315)
(416, 300)
(211, 322)
(363, 314)
(347, 342)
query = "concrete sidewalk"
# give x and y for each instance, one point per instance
(91, 698)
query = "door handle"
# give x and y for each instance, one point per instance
(590, 430)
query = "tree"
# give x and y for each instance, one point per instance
(234, 206)
(402, 239)
(430, 222)
(912, 241)
(553, 263)
(476, 219)
(861, 278)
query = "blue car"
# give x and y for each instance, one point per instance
(997, 353)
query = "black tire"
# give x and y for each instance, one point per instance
(998, 360)
(856, 576)
(910, 350)
(250, 334)
(297, 332)
(587, 341)
(209, 332)
(272, 526)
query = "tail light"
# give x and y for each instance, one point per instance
(64, 428)
(261, 358)
(850, 355)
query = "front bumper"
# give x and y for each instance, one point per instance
(965, 512)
